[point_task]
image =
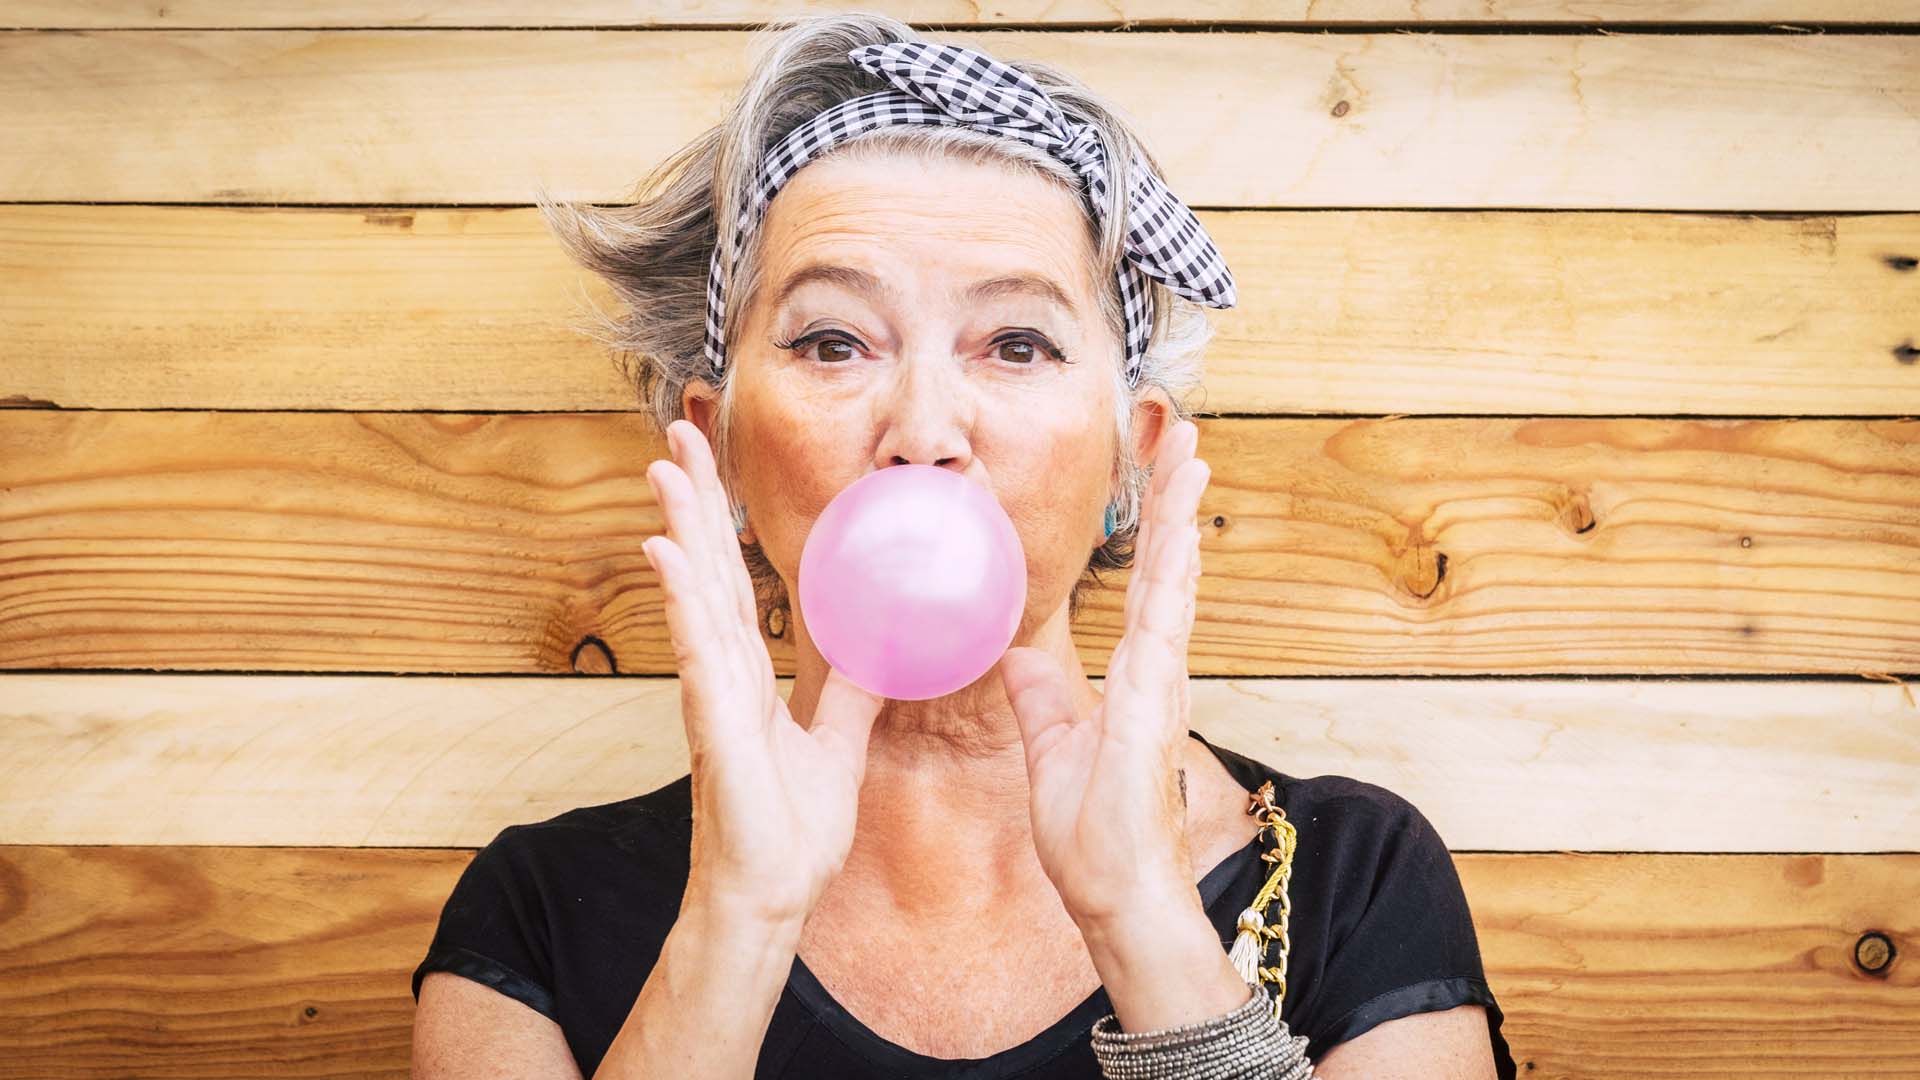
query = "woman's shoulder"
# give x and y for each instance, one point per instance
(1361, 850)
(566, 873)
(666, 806)
(1345, 803)
(650, 832)
(1380, 926)
(566, 914)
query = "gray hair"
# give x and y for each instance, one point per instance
(654, 250)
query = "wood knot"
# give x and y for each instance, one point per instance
(1576, 513)
(593, 657)
(1420, 571)
(1874, 952)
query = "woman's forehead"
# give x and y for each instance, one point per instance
(1037, 286)
(949, 219)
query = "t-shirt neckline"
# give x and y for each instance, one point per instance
(1049, 1043)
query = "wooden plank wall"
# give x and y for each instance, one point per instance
(1566, 481)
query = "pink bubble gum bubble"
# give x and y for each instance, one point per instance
(912, 582)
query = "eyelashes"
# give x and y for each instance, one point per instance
(1037, 341)
(805, 341)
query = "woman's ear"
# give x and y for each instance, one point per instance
(699, 403)
(1153, 418)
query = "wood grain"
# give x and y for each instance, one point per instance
(1698, 965)
(434, 761)
(381, 542)
(178, 14)
(142, 307)
(238, 962)
(213, 962)
(1785, 122)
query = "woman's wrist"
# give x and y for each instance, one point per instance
(716, 901)
(1163, 965)
(742, 927)
(1247, 1043)
(706, 1004)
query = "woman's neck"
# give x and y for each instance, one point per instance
(945, 795)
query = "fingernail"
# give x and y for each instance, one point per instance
(648, 552)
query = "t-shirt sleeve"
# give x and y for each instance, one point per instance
(493, 928)
(1412, 947)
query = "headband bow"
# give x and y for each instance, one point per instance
(956, 85)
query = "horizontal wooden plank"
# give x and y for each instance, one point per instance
(239, 962)
(1699, 965)
(1817, 122)
(213, 962)
(267, 14)
(1550, 312)
(377, 542)
(1640, 765)
(228, 307)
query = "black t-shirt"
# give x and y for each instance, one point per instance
(568, 916)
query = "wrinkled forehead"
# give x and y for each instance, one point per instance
(944, 224)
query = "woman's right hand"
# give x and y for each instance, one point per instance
(773, 802)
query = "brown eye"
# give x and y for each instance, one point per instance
(1018, 351)
(1028, 349)
(834, 343)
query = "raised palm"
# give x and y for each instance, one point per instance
(773, 802)
(1108, 810)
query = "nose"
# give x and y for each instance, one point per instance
(926, 416)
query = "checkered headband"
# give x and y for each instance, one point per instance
(955, 85)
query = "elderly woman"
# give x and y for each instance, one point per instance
(932, 257)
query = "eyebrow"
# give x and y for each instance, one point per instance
(859, 281)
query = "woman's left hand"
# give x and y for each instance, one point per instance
(1108, 802)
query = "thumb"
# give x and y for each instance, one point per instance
(1036, 687)
(845, 713)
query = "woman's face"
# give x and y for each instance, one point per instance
(916, 313)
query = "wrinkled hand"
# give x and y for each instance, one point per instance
(1109, 813)
(773, 802)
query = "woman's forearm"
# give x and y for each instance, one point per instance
(1180, 1007)
(706, 1004)
(1163, 966)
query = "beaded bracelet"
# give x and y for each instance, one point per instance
(1251, 1042)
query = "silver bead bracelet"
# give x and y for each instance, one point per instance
(1249, 1043)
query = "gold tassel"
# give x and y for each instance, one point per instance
(1247, 947)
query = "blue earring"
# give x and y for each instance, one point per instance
(1109, 519)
